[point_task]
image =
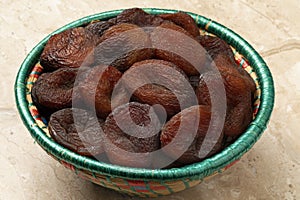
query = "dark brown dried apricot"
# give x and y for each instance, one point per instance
(238, 118)
(221, 53)
(53, 90)
(132, 133)
(192, 135)
(96, 89)
(68, 49)
(138, 17)
(77, 130)
(184, 20)
(159, 82)
(211, 90)
(98, 28)
(174, 27)
(216, 46)
(122, 45)
(224, 65)
(238, 95)
(249, 81)
(174, 44)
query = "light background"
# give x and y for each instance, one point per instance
(271, 170)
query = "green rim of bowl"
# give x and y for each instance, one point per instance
(194, 171)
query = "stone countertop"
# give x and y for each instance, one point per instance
(270, 170)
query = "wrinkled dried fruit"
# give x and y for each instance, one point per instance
(68, 49)
(53, 90)
(192, 135)
(174, 27)
(174, 44)
(159, 82)
(211, 86)
(132, 132)
(77, 130)
(216, 46)
(238, 95)
(221, 53)
(96, 89)
(184, 20)
(222, 60)
(238, 118)
(98, 28)
(138, 17)
(226, 67)
(122, 45)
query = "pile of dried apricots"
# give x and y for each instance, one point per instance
(96, 72)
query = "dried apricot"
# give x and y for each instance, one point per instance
(216, 46)
(192, 135)
(132, 133)
(98, 28)
(53, 90)
(184, 20)
(174, 44)
(96, 89)
(221, 53)
(138, 17)
(160, 82)
(68, 49)
(77, 130)
(122, 45)
(238, 95)
(232, 72)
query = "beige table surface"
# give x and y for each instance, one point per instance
(271, 170)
